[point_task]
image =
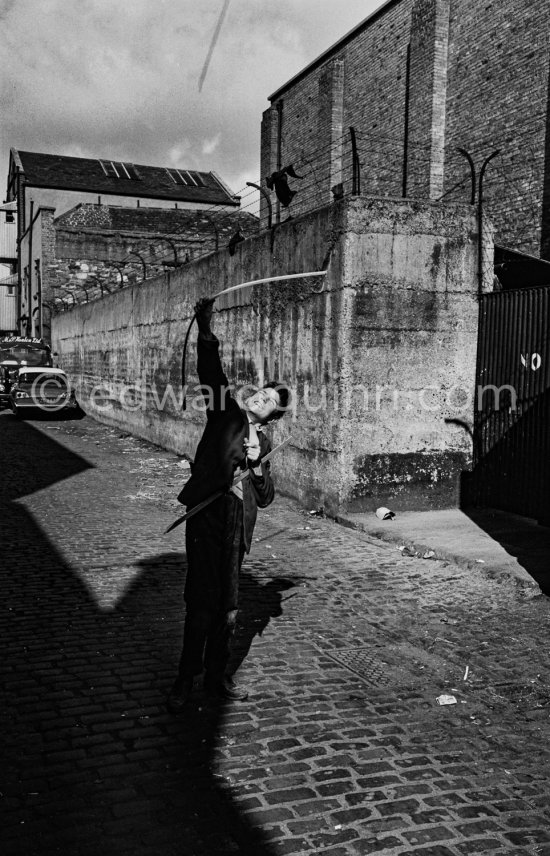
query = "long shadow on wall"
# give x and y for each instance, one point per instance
(507, 494)
(93, 763)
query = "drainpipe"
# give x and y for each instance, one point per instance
(39, 292)
(406, 123)
(279, 148)
(19, 195)
(29, 294)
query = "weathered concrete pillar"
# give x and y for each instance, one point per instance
(413, 338)
(428, 97)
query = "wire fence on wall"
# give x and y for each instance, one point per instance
(367, 163)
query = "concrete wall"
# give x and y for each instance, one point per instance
(413, 338)
(397, 308)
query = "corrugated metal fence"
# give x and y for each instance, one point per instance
(511, 428)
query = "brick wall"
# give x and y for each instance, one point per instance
(497, 96)
(362, 84)
(375, 99)
(479, 79)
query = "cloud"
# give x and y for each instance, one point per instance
(210, 145)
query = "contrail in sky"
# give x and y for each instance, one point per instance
(213, 42)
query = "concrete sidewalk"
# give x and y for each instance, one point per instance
(496, 542)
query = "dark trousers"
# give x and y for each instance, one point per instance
(215, 550)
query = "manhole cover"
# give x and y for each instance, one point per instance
(402, 664)
(365, 664)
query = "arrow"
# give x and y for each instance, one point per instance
(214, 496)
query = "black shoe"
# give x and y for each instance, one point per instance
(179, 694)
(225, 688)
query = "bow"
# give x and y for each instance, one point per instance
(226, 291)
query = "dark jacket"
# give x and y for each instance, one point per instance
(221, 448)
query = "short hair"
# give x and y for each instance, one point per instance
(284, 398)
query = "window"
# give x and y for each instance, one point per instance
(10, 217)
(197, 178)
(186, 177)
(131, 171)
(117, 169)
(179, 177)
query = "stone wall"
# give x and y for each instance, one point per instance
(397, 308)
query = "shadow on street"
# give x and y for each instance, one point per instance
(521, 537)
(94, 763)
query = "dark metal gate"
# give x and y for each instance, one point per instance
(512, 407)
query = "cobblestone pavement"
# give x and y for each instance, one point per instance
(345, 644)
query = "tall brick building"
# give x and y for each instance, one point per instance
(417, 80)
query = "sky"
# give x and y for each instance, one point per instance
(119, 79)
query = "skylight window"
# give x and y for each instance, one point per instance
(186, 178)
(117, 169)
(179, 177)
(197, 178)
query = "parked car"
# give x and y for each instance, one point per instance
(41, 389)
(9, 369)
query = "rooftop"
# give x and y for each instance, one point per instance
(121, 178)
(162, 221)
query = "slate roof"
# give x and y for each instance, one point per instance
(151, 182)
(161, 221)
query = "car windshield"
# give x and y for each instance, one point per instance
(34, 355)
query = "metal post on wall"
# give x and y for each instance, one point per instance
(85, 290)
(484, 166)
(480, 220)
(142, 260)
(120, 268)
(176, 263)
(470, 160)
(265, 194)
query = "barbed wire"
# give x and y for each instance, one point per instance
(306, 190)
(381, 159)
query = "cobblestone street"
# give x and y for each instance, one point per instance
(344, 642)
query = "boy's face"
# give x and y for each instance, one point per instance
(263, 404)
